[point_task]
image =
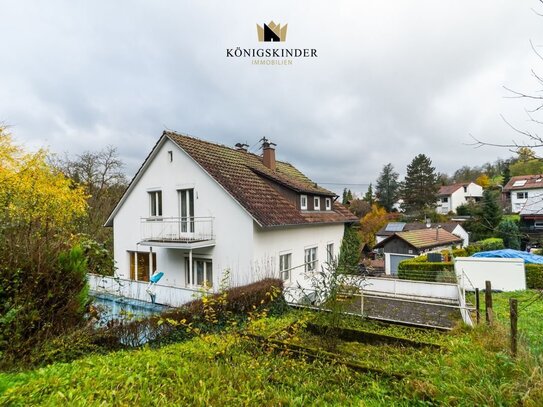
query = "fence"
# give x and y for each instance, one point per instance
(166, 295)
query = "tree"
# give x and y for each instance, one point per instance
(368, 197)
(42, 277)
(371, 223)
(483, 181)
(359, 207)
(509, 232)
(349, 252)
(101, 175)
(420, 186)
(387, 189)
(528, 167)
(347, 196)
(487, 217)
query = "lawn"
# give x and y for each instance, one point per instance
(471, 367)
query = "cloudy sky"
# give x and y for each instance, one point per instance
(392, 78)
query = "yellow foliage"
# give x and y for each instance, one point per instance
(483, 180)
(32, 192)
(371, 223)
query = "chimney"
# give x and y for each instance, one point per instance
(268, 153)
(437, 232)
(241, 147)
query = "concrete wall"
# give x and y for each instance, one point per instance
(233, 226)
(504, 274)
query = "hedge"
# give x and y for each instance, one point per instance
(534, 276)
(425, 271)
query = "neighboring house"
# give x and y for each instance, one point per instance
(451, 227)
(419, 241)
(451, 197)
(196, 209)
(531, 218)
(521, 188)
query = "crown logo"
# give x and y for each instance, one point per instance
(272, 32)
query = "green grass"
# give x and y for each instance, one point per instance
(472, 368)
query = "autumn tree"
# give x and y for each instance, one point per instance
(420, 186)
(359, 207)
(371, 223)
(483, 181)
(387, 189)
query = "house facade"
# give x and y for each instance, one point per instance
(416, 242)
(196, 210)
(451, 197)
(523, 189)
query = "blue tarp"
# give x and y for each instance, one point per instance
(512, 254)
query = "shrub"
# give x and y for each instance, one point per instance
(460, 253)
(492, 243)
(473, 248)
(424, 271)
(534, 276)
(349, 253)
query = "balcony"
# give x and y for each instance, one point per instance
(177, 232)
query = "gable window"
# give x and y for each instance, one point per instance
(330, 253)
(317, 203)
(202, 272)
(155, 203)
(142, 265)
(445, 199)
(303, 201)
(311, 259)
(522, 195)
(465, 189)
(284, 265)
(328, 203)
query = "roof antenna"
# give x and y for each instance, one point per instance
(266, 142)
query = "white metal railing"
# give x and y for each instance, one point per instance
(177, 229)
(166, 295)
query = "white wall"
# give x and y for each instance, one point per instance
(270, 243)
(461, 232)
(517, 204)
(459, 197)
(504, 274)
(233, 226)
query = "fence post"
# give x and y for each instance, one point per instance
(477, 306)
(513, 315)
(488, 302)
(362, 302)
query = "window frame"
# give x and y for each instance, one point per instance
(284, 272)
(155, 203)
(328, 204)
(330, 252)
(207, 274)
(302, 198)
(445, 199)
(138, 259)
(522, 195)
(310, 264)
(316, 203)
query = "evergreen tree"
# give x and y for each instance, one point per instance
(369, 195)
(344, 197)
(420, 186)
(388, 187)
(491, 213)
(509, 231)
(349, 252)
(506, 175)
(349, 196)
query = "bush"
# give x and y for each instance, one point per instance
(534, 276)
(424, 271)
(460, 253)
(492, 243)
(473, 248)
(208, 314)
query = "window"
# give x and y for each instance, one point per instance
(311, 259)
(445, 199)
(284, 265)
(202, 272)
(330, 253)
(303, 201)
(170, 155)
(465, 189)
(317, 203)
(141, 264)
(519, 183)
(155, 201)
(186, 210)
(328, 203)
(522, 195)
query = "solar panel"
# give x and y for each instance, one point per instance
(395, 227)
(519, 183)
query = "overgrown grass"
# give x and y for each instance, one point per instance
(473, 367)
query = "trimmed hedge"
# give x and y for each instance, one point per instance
(534, 276)
(425, 271)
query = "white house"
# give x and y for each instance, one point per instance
(196, 209)
(451, 197)
(523, 189)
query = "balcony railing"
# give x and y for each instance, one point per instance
(177, 229)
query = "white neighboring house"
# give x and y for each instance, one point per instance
(451, 197)
(523, 191)
(196, 209)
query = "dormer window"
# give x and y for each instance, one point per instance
(317, 203)
(155, 203)
(328, 203)
(303, 202)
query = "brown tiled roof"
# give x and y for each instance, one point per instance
(424, 238)
(242, 175)
(448, 226)
(450, 189)
(531, 182)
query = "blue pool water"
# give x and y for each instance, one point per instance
(115, 307)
